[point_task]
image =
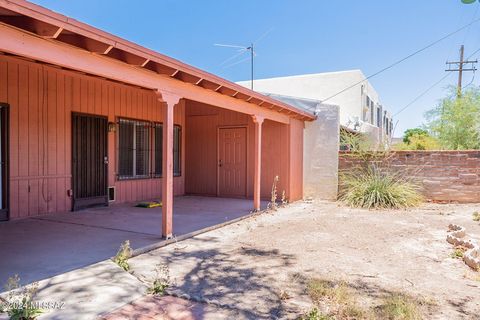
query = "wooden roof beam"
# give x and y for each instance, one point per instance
(84, 43)
(127, 57)
(160, 68)
(227, 91)
(186, 77)
(208, 85)
(40, 28)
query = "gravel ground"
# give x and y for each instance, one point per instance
(247, 267)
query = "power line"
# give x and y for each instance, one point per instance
(431, 87)
(403, 59)
(423, 93)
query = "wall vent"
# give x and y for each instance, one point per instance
(111, 194)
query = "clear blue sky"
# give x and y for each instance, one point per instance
(307, 36)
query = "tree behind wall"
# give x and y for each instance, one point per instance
(455, 122)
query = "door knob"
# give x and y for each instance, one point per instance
(220, 163)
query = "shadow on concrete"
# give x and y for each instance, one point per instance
(39, 248)
(232, 279)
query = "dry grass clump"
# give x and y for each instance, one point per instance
(476, 216)
(372, 188)
(338, 300)
(339, 297)
(399, 307)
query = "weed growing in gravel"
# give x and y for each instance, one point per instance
(476, 216)
(122, 256)
(19, 303)
(399, 307)
(273, 198)
(314, 314)
(161, 281)
(284, 198)
(458, 253)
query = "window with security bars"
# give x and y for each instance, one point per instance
(177, 138)
(133, 149)
(158, 145)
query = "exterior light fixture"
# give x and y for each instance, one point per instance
(112, 127)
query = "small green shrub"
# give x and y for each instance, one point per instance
(458, 253)
(161, 281)
(122, 256)
(375, 188)
(19, 304)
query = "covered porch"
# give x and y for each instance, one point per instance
(42, 247)
(92, 119)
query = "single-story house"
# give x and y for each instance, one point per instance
(88, 118)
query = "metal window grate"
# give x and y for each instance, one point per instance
(177, 138)
(133, 148)
(158, 145)
(134, 141)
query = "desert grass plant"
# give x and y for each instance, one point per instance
(161, 281)
(19, 304)
(122, 256)
(376, 188)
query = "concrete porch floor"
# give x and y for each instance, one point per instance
(42, 247)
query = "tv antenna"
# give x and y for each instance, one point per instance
(240, 51)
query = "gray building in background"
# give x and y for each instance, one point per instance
(360, 107)
(320, 147)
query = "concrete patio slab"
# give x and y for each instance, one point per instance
(39, 248)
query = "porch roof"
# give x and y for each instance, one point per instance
(56, 27)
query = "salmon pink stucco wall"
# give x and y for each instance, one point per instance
(42, 99)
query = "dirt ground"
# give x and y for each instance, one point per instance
(248, 268)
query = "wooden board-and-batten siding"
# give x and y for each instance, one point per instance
(42, 99)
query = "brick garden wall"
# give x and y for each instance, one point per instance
(452, 176)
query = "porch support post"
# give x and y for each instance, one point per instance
(170, 100)
(258, 121)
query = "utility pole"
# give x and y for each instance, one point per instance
(458, 66)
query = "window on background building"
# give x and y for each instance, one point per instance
(365, 109)
(379, 116)
(372, 112)
(158, 147)
(133, 149)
